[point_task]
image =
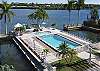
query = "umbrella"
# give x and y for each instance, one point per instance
(18, 25)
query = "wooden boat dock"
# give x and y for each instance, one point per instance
(72, 27)
(3, 36)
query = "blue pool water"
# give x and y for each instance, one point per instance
(55, 40)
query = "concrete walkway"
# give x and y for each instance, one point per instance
(86, 55)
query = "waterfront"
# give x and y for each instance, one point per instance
(11, 55)
(59, 17)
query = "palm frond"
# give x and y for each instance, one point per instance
(39, 14)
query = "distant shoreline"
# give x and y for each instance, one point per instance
(50, 6)
(47, 8)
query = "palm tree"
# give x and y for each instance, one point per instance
(79, 5)
(67, 53)
(94, 13)
(72, 54)
(6, 13)
(44, 15)
(63, 48)
(45, 51)
(94, 17)
(40, 14)
(70, 6)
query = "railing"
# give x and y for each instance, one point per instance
(48, 67)
(72, 25)
(38, 65)
(82, 38)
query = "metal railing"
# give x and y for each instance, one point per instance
(80, 37)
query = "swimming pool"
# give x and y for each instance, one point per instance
(55, 40)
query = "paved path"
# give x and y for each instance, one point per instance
(86, 55)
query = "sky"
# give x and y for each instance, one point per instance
(51, 1)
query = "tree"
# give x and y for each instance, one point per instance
(40, 14)
(72, 54)
(67, 53)
(94, 13)
(63, 49)
(45, 51)
(79, 5)
(70, 6)
(6, 13)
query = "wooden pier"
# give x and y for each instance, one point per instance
(91, 29)
(72, 27)
(3, 36)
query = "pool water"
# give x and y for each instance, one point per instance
(56, 40)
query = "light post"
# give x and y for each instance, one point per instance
(34, 44)
(90, 51)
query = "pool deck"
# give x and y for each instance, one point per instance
(38, 46)
(82, 50)
(94, 58)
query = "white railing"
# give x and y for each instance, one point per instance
(82, 38)
(81, 48)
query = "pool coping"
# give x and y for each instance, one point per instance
(46, 44)
(70, 39)
(39, 38)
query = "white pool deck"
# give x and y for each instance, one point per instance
(51, 56)
(38, 48)
(86, 55)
